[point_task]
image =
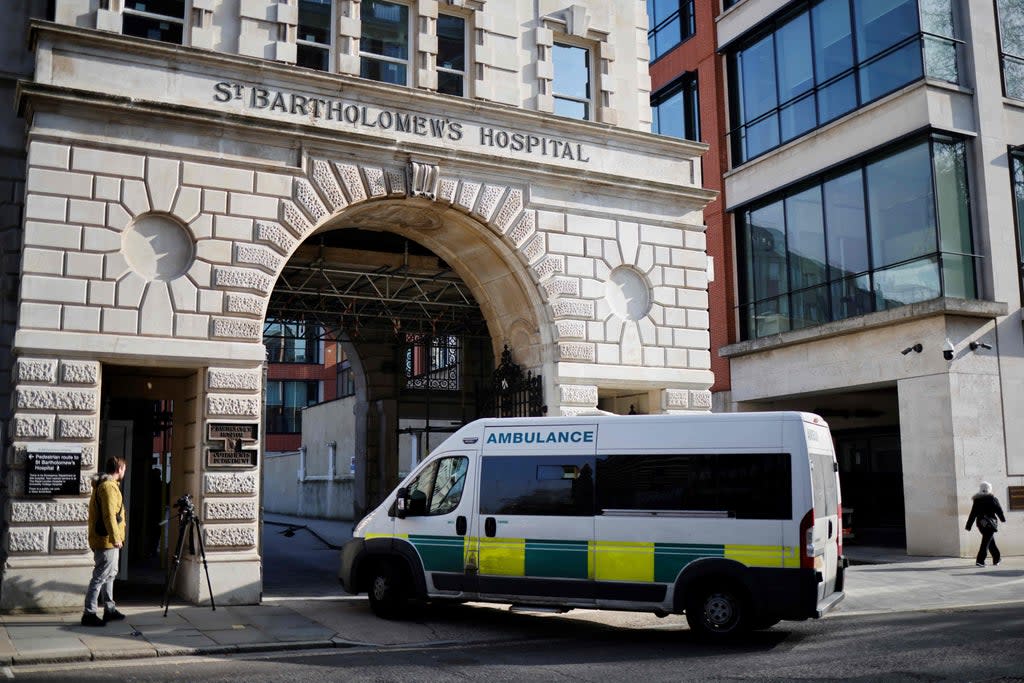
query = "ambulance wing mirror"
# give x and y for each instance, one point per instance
(401, 503)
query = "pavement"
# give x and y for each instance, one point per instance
(304, 607)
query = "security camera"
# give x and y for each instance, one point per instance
(918, 348)
(948, 349)
(975, 345)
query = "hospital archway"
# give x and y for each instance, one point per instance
(424, 300)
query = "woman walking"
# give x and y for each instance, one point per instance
(984, 511)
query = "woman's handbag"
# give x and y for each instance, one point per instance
(988, 524)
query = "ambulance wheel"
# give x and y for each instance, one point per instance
(389, 598)
(717, 611)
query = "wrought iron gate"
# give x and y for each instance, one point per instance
(510, 393)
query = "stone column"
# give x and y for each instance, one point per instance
(56, 407)
(228, 501)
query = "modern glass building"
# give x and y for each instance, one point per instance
(872, 195)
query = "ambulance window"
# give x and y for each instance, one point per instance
(741, 485)
(823, 481)
(451, 479)
(538, 485)
(439, 485)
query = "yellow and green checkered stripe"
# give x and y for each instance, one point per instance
(601, 560)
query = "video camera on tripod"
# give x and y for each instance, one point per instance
(191, 528)
(186, 508)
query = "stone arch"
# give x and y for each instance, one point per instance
(463, 221)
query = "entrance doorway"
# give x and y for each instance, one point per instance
(141, 407)
(871, 476)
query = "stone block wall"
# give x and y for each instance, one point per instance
(56, 403)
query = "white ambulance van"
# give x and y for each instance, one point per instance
(733, 519)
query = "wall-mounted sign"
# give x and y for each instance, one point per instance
(1016, 495)
(239, 447)
(230, 458)
(52, 474)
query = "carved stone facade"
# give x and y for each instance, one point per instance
(158, 219)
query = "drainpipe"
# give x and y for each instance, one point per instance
(331, 467)
(302, 463)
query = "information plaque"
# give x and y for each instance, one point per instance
(1016, 495)
(230, 458)
(239, 446)
(52, 474)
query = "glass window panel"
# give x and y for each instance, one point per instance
(951, 189)
(385, 30)
(958, 276)
(772, 316)
(940, 60)
(846, 226)
(312, 57)
(746, 259)
(315, 21)
(449, 83)
(1013, 77)
(768, 251)
(666, 38)
(797, 118)
(761, 136)
(451, 42)
(836, 99)
(907, 283)
(756, 69)
(793, 58)
(670, 116)
(810, 307)
(894, 70)
(512, 486)
(386, 72)
(660, 10)
(851, 297)
(880, 24)
(168, 8)
(833, 39)
(1011, 26)
(153, 29)
(572, 71)
(805, 240)
(571, 109)
(901, 206)
(937, 17)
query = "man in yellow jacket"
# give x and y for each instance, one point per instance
(107, 529)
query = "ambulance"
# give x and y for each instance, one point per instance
(731, 519)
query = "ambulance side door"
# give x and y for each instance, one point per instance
(439, 501)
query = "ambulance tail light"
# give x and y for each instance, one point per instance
(807, 540)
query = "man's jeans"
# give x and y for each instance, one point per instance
(101, 588)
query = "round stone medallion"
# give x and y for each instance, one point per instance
(158, 247)
(628, 294)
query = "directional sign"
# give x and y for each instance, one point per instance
(52, 474)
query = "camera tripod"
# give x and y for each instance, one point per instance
(188, 524)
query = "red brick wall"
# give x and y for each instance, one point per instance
(698, 54)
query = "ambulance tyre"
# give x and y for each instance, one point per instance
(717, 611)
(389, 593)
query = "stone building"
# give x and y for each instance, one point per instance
(177, 174)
